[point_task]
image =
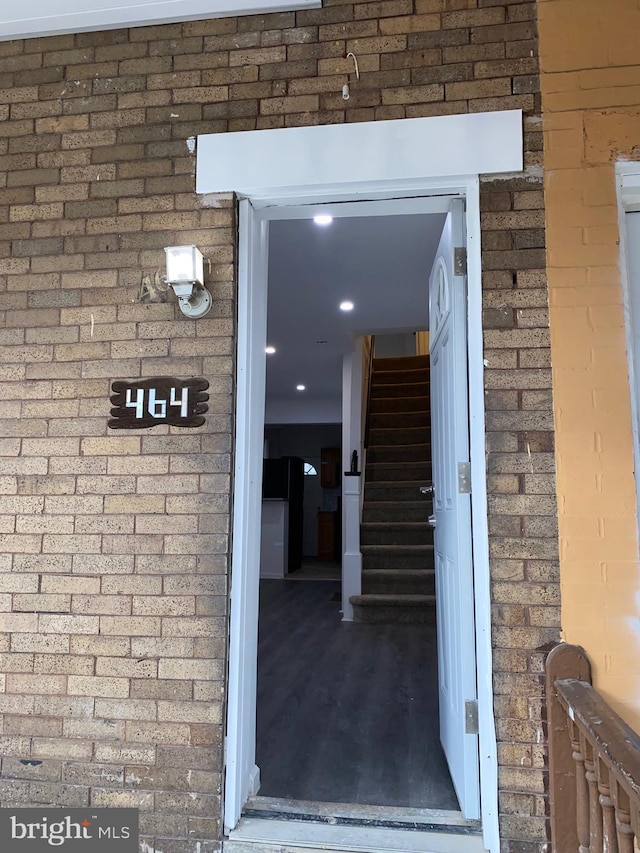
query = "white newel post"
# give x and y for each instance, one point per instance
(351, 558)
(351, 483)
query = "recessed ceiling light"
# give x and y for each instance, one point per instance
(347, 305)
(269, 350)
(323, 219)
(300, 387)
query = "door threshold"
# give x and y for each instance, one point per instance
(264, 835)
(356, 814)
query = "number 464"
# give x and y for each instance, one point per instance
(156, 406)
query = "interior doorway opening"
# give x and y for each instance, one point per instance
(346, 712)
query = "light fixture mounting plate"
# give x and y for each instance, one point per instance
(198, 305)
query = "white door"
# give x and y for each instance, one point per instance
(452, 511)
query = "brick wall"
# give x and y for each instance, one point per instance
(521, 494)
(114, 547)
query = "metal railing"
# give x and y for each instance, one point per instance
(594, 762)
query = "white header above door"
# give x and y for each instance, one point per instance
(403, 153)
(44, 18)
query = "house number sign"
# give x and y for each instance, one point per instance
(162, 400)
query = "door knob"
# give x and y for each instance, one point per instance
(432, 520)
(426, 490)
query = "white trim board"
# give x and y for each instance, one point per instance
(408, 153)
(628, 185)
(628, 197)
(43, 18)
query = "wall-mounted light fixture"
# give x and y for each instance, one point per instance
(185, 274)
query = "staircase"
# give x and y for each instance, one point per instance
(396, 541)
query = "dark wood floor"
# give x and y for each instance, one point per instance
(347, 713)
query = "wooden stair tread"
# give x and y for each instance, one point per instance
(422, 432)
(413, 385)
(414, 573)
(425, 387)
(402, 463)
(380, 599)
(421, 444)
(413, 405)
(393, 380)
(399, 464)
(397, 549)
(397, 361)
(423, 503)
(393, 525)
(393, 483)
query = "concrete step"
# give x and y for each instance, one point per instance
(399, 582)
(397, 556)
(400, 533)
(397, 510)
(260, 835)
(398, 453)
(394, 609)
(399, 404)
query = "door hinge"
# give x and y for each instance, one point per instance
(464, 478)
(460, 260)
(471, 717)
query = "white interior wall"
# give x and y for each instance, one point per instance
(392, 346)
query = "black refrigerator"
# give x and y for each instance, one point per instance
(283, 479)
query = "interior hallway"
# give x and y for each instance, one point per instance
(347, 713)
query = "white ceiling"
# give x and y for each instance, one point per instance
(380, 263)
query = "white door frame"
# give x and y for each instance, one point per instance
(246, 538)
(369, 161)
(628, 197)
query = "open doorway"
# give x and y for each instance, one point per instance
(243, 773)
(348, 712)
